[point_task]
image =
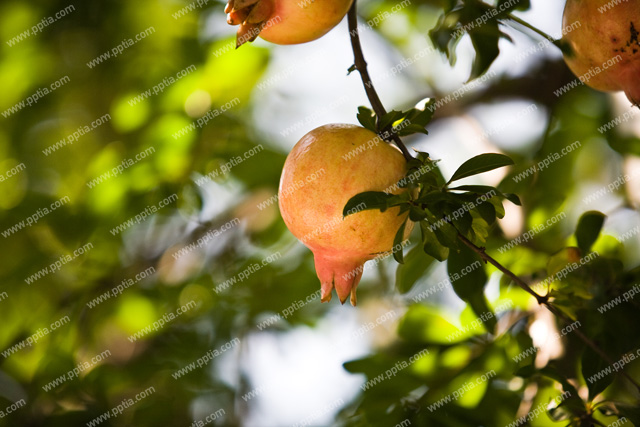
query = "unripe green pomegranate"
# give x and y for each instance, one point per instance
(327, 167)
(605, 47)
(285, 21)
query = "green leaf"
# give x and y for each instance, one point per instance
(401, 199)
(487, 189)
(480, 228)
(479, 189)
(485, 41)
(411, 129)
(423, 173)
(431, 244)
(623, 144)
(367, 200)
(497, 205)
(487, 211)
(592, 363)
(445, 37)
(422, 117)
(608, 409)
(447, 235)
(416, 262)
(561, 259)
(632, 413)
(369, 366)
(522, 5)
(447, 5)
(559, 413)
(422, 157)
(513, 198)
(398, 253)
(434, 196)
(390, 118)
(415, 162)
(526, 371)
(466, 273)
(404, 207)
(480, 164)
(573, 402)
(438, 173)
(468, 279)
(429, 179)
(463, 222)
(417, 214)
(422, 324)
(367, 119)
(588, 229)
(480, 307)
(463, 20)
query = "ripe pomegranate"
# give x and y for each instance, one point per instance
(284, 21)
(327, 167)
(606, 48)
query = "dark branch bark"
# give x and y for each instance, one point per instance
(543, 300)
(361, 66)
(487, 258)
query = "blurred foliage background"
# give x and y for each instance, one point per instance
(288, 371)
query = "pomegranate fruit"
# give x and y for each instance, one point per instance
(327, 167)
(605, 47)
(284, 21)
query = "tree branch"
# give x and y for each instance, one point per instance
(361, 66)
(487, 258)
(542, 300)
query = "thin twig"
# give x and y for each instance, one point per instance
(361, 66)
(488, 258)
(532, 28)
(510, 17)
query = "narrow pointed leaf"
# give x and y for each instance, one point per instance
(480, 164)
(468, 279)
(588, 229)
(367, 200)
(366, 117)
(398, 253)
(416, 262)
(430, 243)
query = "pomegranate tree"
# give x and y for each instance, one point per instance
(327, 167)
(285, 21)
(605, 49)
